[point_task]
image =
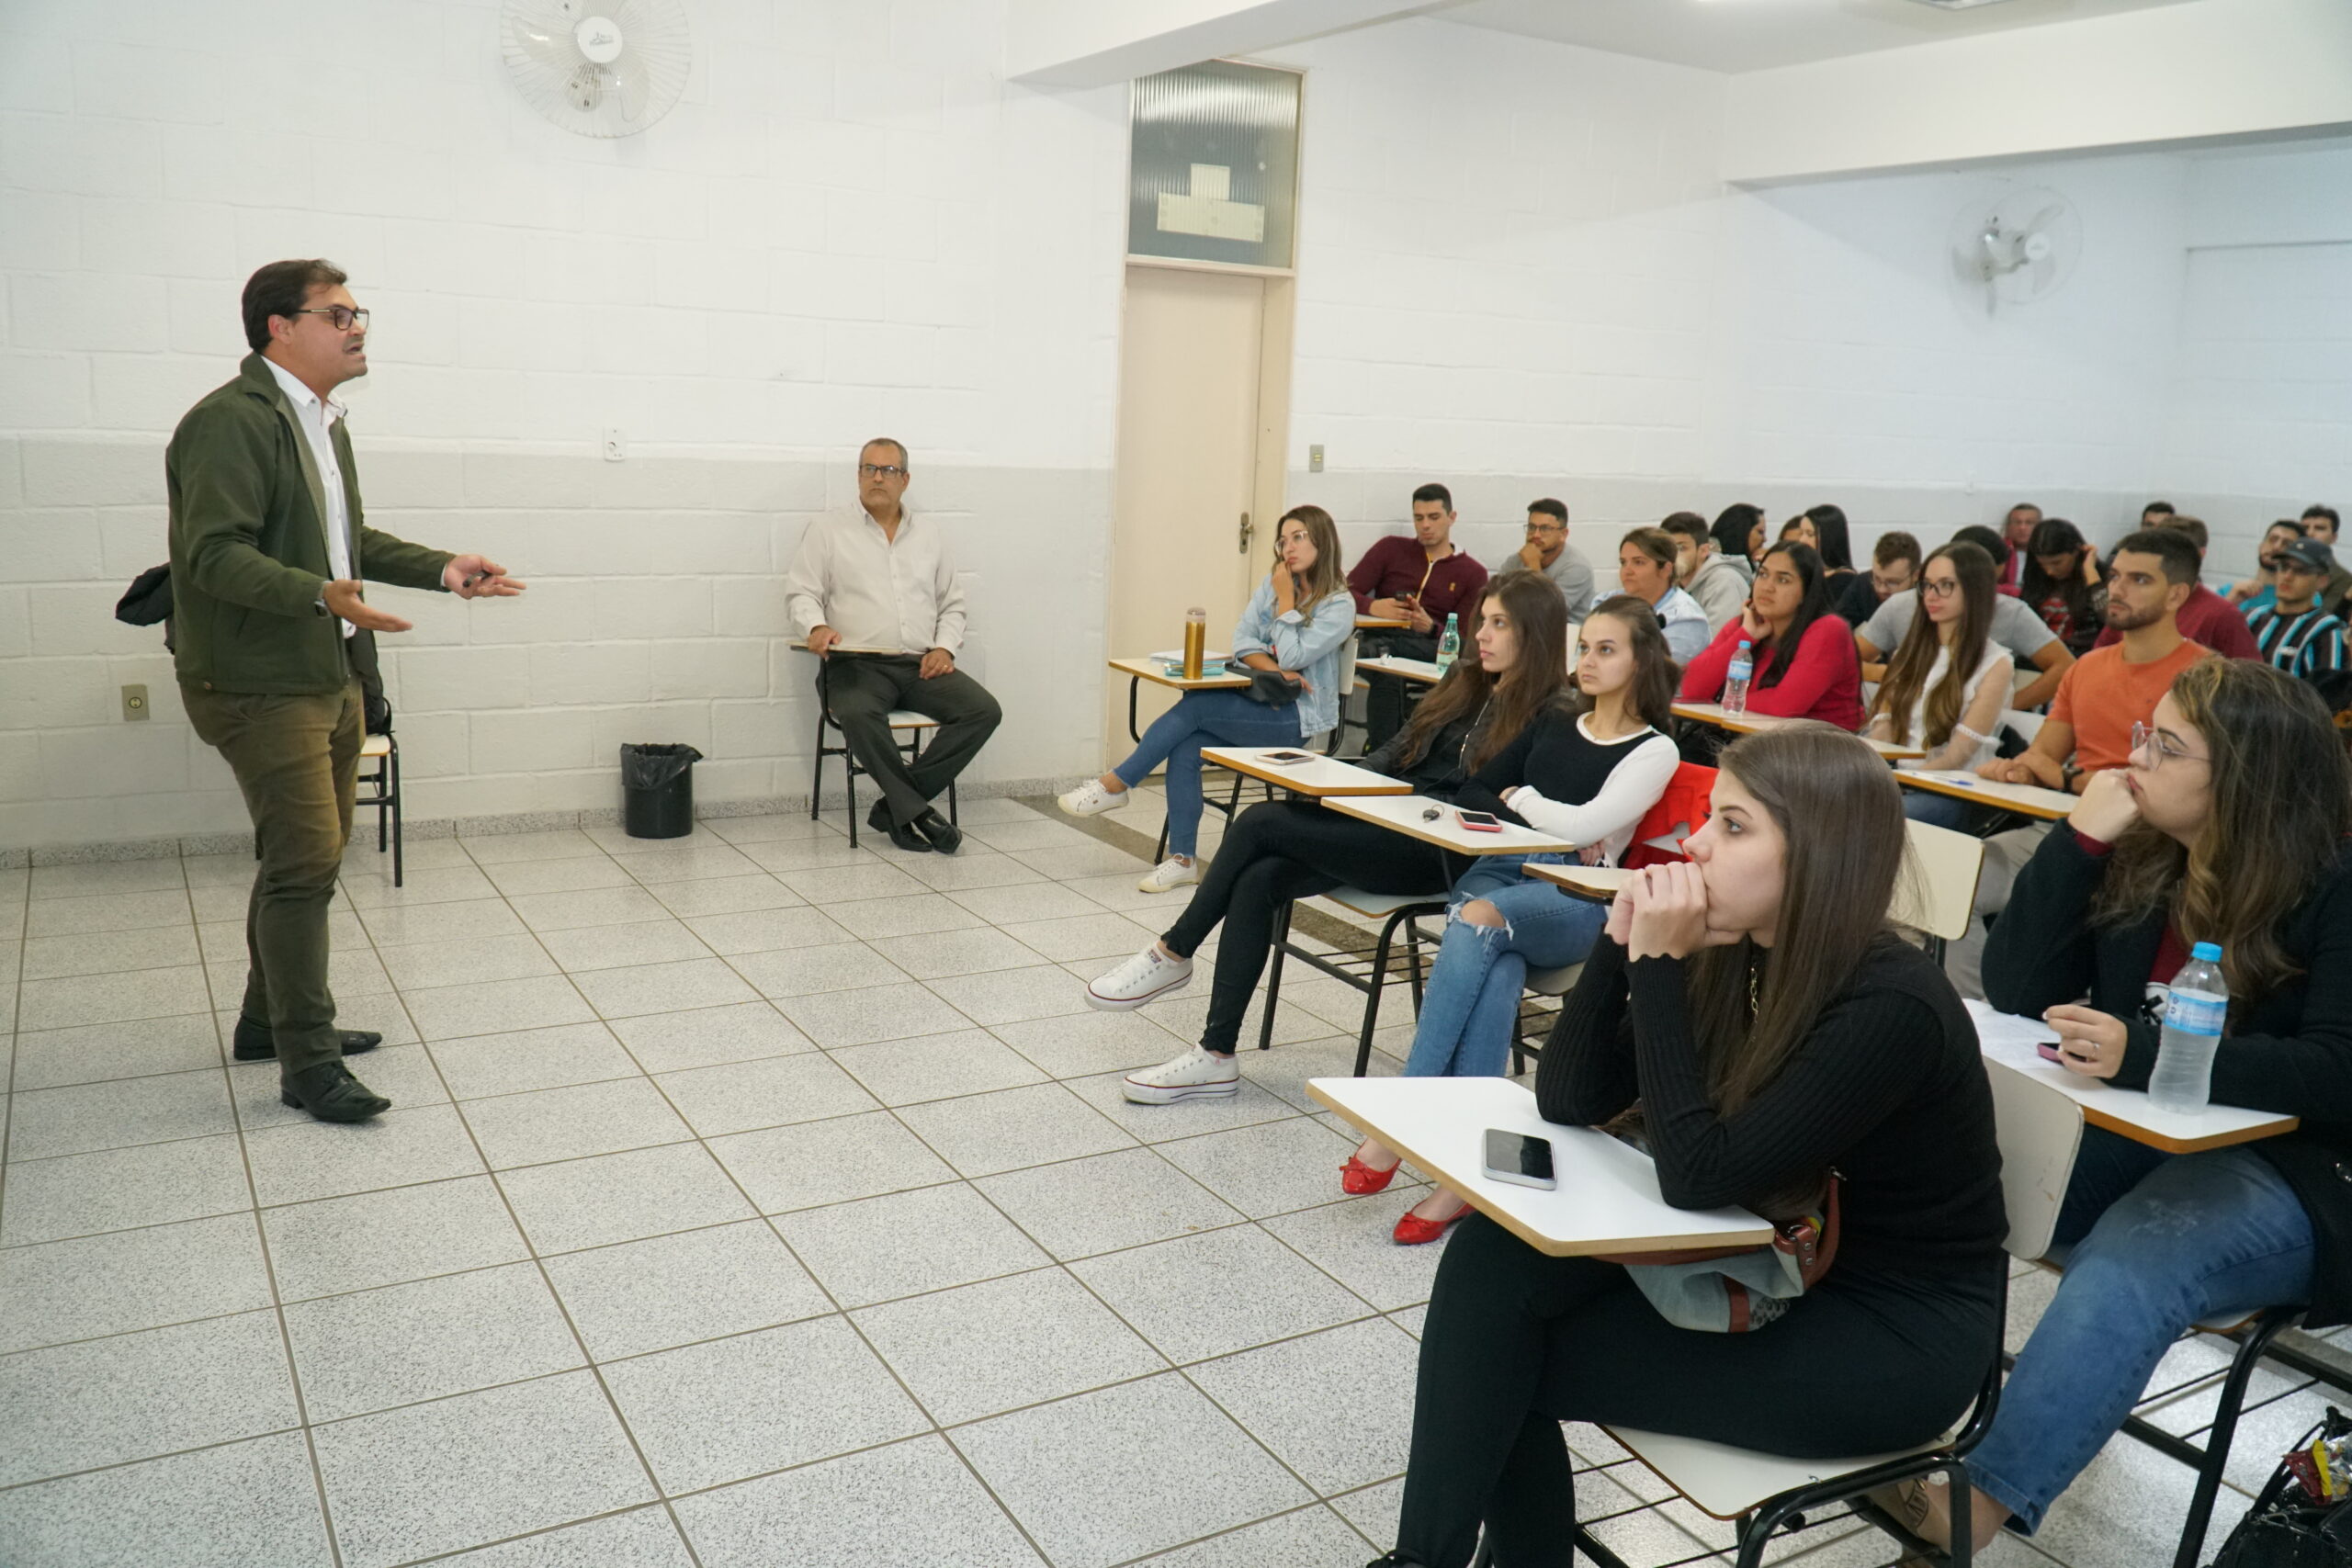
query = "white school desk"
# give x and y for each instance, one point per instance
(2009, 1040)
(1380, 623)
(802, 643)
(2028, 800)
(1606, 1200)
(1138, 670)
(1422, 672)
(1402, 813)
(1595, 883)
(1317, 777)
(1750, 723)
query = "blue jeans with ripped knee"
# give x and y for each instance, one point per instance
(2160, 1241)
(1470, 1003)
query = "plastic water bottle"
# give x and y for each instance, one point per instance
(1743, 668)
(2200, 1001)
(1448, 646)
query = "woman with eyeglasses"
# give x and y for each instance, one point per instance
(1805, 666)
(1948, 680)
(2229, 826)
(1295, 627)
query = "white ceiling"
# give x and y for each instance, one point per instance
(1755, 35)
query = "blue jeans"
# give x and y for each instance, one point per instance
(2160, 1242)
(1470, 1003)
(1945, 811)
(1176, 736)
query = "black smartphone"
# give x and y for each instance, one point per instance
(1288, 759)
(1520, 1158)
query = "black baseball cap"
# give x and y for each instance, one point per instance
(2309, 554)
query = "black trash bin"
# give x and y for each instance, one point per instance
(658, 791)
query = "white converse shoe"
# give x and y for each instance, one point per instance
(1090, 799)
(1196, 1072)
(1169, 874)
(1147, 976)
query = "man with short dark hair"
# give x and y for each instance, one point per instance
(2320, 522)
(2017, 532)
(2258, 592)
(2205, 617)
(269, 547)
(1895, 566)
(875, 594)
(1701, 572)
(1418, 578)
(2153, 516)
(2295, 632)
(1547, 551)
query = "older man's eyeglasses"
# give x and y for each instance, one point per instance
(343, 318)
(880, 471)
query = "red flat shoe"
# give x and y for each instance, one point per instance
(1413, 1231)
(1358, 1177)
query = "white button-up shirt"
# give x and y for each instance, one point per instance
(317, 415)
(877, 592)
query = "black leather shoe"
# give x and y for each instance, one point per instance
(329, 1092)
(944, 836)
(907, 839)
(253, 1043)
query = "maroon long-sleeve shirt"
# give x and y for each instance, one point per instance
(1394, 566)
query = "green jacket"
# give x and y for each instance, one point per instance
(249, 544)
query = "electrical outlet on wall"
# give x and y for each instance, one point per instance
(134, 702)
(615, 448)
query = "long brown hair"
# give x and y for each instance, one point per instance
(1539, 617)
(2282, 804)
(1649, 696)
(1840, 819)
(1328, 574)
(1915, 655)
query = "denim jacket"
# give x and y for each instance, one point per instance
(1308, 640)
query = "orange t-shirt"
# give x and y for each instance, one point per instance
(2103, 697)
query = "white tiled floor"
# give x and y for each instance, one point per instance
(749, 1200)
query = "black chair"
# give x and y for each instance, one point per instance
(906, 726)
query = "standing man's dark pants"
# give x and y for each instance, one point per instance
(861, 689)
(297, 760)
(1389, 702)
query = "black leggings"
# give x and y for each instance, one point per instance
(1517, 1342)
(1273, 852)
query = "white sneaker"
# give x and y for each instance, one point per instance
(1193, 1073)
(1147, 976)
(1168, 874)
(1090, 799)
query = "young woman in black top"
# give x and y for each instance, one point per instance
(1282, 850)
(2229, 826)
(1774, 1029)
(1594, 766)
(2062, 584)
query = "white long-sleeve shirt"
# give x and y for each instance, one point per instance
(317, 415)
(877, 590)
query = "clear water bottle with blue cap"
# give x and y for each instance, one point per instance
(1737, 679)
(2183, 1080)
(1449, 646)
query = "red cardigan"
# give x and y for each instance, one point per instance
(1825, 682)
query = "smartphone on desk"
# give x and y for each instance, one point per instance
(1287, 759)
(1521, 1158)
(1479, 821)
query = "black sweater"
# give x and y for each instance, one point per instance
(2289, 1051)
(1547, 753)
(1889, 1089)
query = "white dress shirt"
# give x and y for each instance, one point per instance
(317, 415)
(877, 590)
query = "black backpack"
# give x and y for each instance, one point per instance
(2285, 1528)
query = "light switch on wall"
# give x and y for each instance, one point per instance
(1314, 458)
(616, 449)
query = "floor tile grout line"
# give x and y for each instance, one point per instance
(15, 1018)
(547, 1283)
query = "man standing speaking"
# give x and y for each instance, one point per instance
(268, 552)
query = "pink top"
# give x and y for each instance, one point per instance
(1823, 682)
